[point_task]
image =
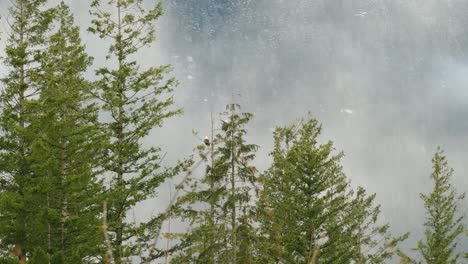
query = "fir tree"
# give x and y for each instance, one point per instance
(136, 101)
(65, 150)
(30, 22)
(219, 206)
(8, 260)
(308, 211)
(443, 219)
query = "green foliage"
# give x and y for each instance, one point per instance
(68, 144)
(307, 205)
(443, 218)
(67, 132)
(39, 256)
(30, 22)
(50, 139)
(8, 260)
(135, 101)
(219, 206)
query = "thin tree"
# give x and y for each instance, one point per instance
(134, 101)
(443, 223)
(219, 206)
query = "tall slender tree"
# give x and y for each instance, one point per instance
(219, 206)
(135, 102)
(444, 221)
(308, 211)
(65, 149)
(29, 25)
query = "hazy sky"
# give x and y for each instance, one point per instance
(388, 79)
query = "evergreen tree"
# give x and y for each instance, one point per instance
(8, 260)
(307, 209)
(219, 206)
(39, 256)
(135, 102)
(65, 150)
(443, 219)
(30, 22)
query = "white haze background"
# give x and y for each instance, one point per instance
(388, 79)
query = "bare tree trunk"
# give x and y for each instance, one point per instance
(119, 228)
(18, 249)
(313, 260)
(109, 256)
(212, 186)
(64, 186)
(233, 193)
(19, 252)
(49, 232)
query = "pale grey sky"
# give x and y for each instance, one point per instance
(388, 79)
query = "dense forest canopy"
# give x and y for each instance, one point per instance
(84, 173)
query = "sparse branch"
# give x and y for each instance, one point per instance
(166, 213)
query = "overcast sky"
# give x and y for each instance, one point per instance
(388, 79)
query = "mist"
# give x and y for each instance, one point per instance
(387, 79)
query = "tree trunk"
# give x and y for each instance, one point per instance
(233, 193)
(19, 252)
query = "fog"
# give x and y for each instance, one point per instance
(388, 79)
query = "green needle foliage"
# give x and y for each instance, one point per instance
(309, 212)
(134, 102)
(219, 206)
(25, 49)
(69, 145)
(443, 218)
(65, 150)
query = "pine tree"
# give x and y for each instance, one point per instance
(65, 150)
(39, 256)
(307, 209)
(219, 206)
(30, 22)
(443, 219)
(8, 260)
(135, 101)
